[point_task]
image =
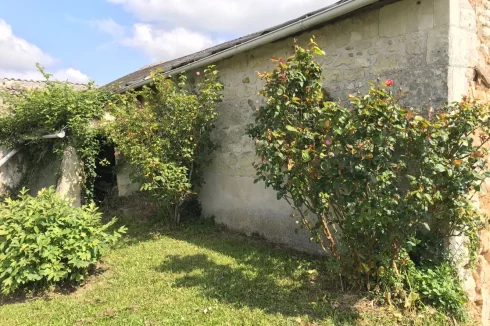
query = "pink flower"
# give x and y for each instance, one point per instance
(328, 142)
(198, 73)
(389, 82)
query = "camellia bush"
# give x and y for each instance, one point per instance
(44, 240)
(163, 131)
(379, 185)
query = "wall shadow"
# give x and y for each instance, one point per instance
(265, 277)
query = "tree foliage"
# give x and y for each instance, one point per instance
(163, 130)
(368, 180)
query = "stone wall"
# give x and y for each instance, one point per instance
(406, 41)
(480, 89)
(67, 181)
(469, 60)
(9, 173)
(480, 84)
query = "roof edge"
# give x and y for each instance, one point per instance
(304, 24)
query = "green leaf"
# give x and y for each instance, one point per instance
(439, 168)
(316, 50)
(305, 156)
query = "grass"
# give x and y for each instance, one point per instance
(203, 276)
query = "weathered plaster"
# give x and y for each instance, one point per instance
(70, 183)
(9, 172)
(125, 185)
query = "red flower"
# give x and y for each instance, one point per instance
(389, 82)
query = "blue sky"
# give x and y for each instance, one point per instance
(103, 40)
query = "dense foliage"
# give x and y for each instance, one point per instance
(29, 114)
(45, 240)
(369, 180)
(163, 131)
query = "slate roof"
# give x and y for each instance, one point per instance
(144, 73)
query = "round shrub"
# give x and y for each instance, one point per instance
(44, 240)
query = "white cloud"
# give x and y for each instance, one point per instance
(18, 54)
(72, 75)
(230, 16)
(18, 59)
(164, 45)
(109, 26)
(106, 25)
(157, 43)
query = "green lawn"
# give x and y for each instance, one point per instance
(202, 276)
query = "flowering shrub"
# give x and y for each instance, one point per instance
(45, 240)
(164, 131)
(369, 179)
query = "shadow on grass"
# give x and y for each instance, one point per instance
(262, 276)
(44, 292)
(149, 228)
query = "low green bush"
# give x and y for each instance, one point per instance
(45, 240)
(439, 287)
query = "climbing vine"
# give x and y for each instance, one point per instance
(379, 185)
(28, 114)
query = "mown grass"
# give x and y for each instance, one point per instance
(203, 275)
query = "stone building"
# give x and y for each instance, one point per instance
(438, 50)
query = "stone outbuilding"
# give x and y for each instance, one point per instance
(437, 50)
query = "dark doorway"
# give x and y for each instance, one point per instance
(105, 185)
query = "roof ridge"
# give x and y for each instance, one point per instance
(153, 64)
